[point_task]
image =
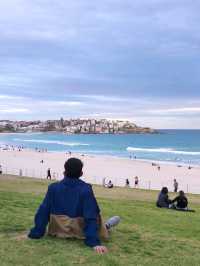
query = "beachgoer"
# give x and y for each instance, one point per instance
(71, 211)
(163, 200)
(136, 181)
(110, 184)
(181, 201)
(175, 186)
(1, 170)
(42, 161)
(49, 173)
(127, 183)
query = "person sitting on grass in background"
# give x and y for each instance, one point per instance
(181, 201)
(163, 200)
(70, 209)
(110, 184)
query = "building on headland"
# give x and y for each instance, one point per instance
(75, 126)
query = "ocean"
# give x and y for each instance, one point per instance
(180, 146)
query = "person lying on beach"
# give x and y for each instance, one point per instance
(163, 200)
(70, 210)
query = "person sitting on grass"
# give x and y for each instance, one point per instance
(163, 200)
(70, 210)
(181, 201)
(110, 184)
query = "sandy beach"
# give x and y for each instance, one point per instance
(96, 168)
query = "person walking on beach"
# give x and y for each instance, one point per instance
(127, 183)
(1, 170)
(70, 210)
(175, 186)
(49, 173)
(136, 181)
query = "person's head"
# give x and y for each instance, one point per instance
(181, 193)
(73, 168)
(164, 190)
(174, 180)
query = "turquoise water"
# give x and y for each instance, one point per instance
(169, 145)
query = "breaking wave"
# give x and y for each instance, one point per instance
(162, 150)
(64, 143)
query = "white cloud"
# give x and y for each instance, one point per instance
(182, 110)
(9, 97)
(107, 59)
(14, 110)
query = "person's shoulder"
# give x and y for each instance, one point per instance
(86, 187)
(54, 185)
(84, 184)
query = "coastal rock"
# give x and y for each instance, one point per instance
(75, 126)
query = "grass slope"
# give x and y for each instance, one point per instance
(146, 235)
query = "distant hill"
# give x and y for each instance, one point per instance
(75, 126)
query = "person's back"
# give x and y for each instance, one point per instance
(181, 201)
(71, 210)
(68, 197)
(163, 199)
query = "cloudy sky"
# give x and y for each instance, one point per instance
(137, 60)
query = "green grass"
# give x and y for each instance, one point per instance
(146, 236)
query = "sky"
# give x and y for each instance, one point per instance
(136, 60)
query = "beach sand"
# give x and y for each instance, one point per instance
(98, 167)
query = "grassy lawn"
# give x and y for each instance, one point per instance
(146, 235)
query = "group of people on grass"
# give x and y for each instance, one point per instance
(127, 183)
(180, 202)
(70, 210)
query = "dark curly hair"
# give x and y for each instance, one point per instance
(73, 168)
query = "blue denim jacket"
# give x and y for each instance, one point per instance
(71, 197)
